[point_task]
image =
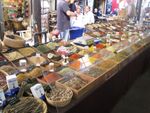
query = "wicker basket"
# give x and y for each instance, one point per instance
(60, 103)
(6, 110)
(18, 42)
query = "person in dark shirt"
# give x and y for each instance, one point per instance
(72, 7)
(63, 18)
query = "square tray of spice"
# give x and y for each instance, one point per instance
(43, 48)
(80, 64)
(9, 69)
(48, 78)
(65, 71)
(93, 71)
(38, 60)
(3, 60)
(27, 51)
(78, 83)
(106, 54)
(12, 56)
(18, 64)
(56, 66)
(110, 66)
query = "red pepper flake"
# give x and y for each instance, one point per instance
(75, 56)
(50, 78)
(100, 46)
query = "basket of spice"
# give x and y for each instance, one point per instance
(13, 41)
(27, 105)
(59, 96)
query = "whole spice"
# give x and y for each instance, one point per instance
(75, 56)
(43, 48)
(13, 56)
(94, 72)
(8, 69)
(65, 71)
(107, 64)
(26, 105)
(27, 51)
(76, 82)
(37, 60)
(59, 94)
(49, 78)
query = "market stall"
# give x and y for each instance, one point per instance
(92, 71)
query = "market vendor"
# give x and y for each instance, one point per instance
(63, 18)
(88, 16)
(78, 20)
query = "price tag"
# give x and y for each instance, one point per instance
(38, 91)
(12, 82)
(85, 61)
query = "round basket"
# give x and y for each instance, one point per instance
(17, 42)
(60, 103)
(41, 103)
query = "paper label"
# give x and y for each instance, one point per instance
(37, 91)
(85, 61)
(12, 82)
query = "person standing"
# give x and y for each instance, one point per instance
(63, 18)
(88, 16)
(131, 9)
(78, 21)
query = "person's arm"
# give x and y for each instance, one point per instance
(70, 13)
(66, 10)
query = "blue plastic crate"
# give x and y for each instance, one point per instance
(76, 32)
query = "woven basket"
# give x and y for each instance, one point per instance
(18, 42)
(60, 103)
(6, 110)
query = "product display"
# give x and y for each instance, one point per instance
(52, 45)
(28, 51)
(94, 72)
(37, 60)
(13, 56)
(59, 96)
(48, 78)
(43, 49)
(8, 69)
(75, 83)
(14, 41)
(27, 105)
(69, 71)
